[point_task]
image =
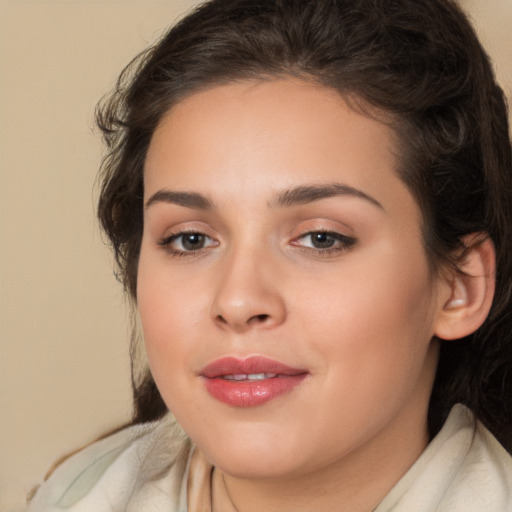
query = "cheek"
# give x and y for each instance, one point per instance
(370, 292)
(168, 312)
(370, 330)
(374, 321)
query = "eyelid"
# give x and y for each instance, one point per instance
(167, 241)
(180, 232)
(321, 223)
(334, 234)
(163, 230)
(342, 241)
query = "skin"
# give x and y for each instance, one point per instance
(359, 317)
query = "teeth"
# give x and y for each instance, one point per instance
(237, 376)
(250, 376)
(257, 376)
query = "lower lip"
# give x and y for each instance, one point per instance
(250, 393)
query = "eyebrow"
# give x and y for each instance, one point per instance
(186, 199)
(305, 194)
(302, 194)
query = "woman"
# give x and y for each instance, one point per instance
(311, 206)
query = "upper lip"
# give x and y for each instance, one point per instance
(250, 365)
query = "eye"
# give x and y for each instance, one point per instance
(324, 241)
(186, 243)
(321, 240)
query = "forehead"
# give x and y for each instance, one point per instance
(253, 137)
(289, 105)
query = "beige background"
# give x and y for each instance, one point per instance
(64, 374)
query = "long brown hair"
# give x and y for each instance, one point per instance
(421, 63)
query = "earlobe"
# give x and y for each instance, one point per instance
(469, 291)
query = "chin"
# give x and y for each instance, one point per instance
(259, 467)
(258, 456)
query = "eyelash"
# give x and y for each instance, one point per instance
(167, 241)
(343, 243)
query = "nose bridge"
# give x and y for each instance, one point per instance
(247, 292)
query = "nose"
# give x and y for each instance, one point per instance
(247, 294)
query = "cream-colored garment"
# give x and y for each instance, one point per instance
(463, 469)
(153, 468)
(142, 468)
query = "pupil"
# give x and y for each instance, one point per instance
(322, 240)
(193, 241)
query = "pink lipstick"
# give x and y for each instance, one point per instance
(249, 382)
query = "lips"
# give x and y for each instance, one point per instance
(250, 382)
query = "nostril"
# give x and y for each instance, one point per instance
(221, 319)
(253, 320)
(259, 318)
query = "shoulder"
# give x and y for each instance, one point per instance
(464, 469)
(484, 479)
(142, 463)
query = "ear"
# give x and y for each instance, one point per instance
(466, 293)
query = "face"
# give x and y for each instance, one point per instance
(284, 292)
